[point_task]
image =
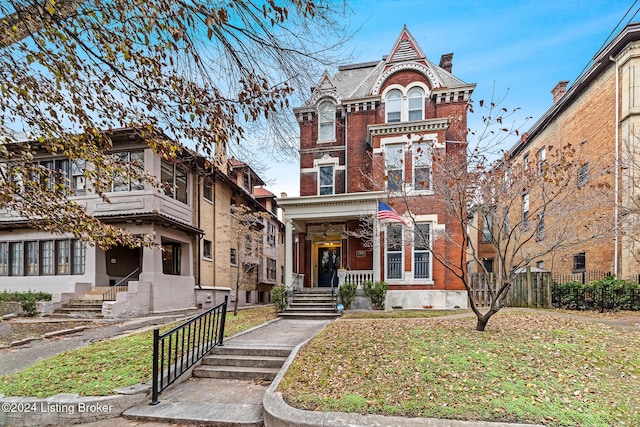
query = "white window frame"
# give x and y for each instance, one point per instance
(326, 121)
(422, 251)
(399, 151)
(541, 157)
(206, 256)
(525, 210)
(421, 151)
(414, 90)
(333, 179)
(387, 252)
(393, 105)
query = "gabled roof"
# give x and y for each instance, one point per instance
(363, 80)
(406, 49)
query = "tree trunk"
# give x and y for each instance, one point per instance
(481, 323)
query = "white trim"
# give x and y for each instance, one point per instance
(402, 279)
(404, 101)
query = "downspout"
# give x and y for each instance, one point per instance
(200, 236)
(215, 239)
(616, 213)
(346, 152)
(345, 255)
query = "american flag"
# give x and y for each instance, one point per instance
(387, 212)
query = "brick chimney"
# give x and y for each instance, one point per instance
(559, 90)
(446, 62)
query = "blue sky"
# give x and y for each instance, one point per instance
(523, 47)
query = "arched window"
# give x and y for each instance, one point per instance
(394, 106)
(416, 104)
(326, 121)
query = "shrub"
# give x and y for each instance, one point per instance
(27, 300)
(279, 297)
(376, 292)
(347, 292)
(606, 294)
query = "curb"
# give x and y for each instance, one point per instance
(65, 408)
(44, 336)
(277, 413)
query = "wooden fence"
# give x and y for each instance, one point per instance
(529, 289)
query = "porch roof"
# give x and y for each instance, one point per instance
(335, 207)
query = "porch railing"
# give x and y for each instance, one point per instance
(359, 276)
(178, 349)
(110, 295)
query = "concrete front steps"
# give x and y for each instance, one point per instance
(243, 363)
(88, 305)
(311, 304)
(226, 389)
(81, 308)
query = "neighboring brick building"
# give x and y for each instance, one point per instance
(599, 115)
(366, 135)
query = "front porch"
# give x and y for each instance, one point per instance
(322, 248)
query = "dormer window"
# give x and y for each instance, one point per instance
(416, 104)
(326, 121)
(394, 106)
(405, 104)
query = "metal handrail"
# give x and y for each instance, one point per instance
(334, 293)
(128, 276)
(110, 295)
(177, 350)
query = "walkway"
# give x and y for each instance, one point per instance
(204, 401)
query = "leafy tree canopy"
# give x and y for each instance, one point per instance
(196, 71)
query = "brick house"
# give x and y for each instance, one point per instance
(599, 114)
(366, 134)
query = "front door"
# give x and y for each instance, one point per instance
(328, 265)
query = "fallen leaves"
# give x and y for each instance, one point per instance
(527, 367)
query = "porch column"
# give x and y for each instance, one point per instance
(377, 261)
(288, 252)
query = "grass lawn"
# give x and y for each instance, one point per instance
(97, 369)
(526, 367)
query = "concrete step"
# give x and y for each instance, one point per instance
(311, 304)
(242, 360)
(309, 316)
(84, 303)
(296, 309)
(205, 402)
(271, 351)
(236, 372)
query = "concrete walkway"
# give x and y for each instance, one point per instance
(204, 401)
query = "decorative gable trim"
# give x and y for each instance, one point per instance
(434, 81)
(325, 88)
(406, 49)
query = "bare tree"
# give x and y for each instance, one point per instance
(196, 71)
(244, 235)
(528, 210)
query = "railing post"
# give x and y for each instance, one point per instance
(224, 318)
(154, 377)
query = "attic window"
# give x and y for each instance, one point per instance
(394, 106)
(326, 121)
(416, 103)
